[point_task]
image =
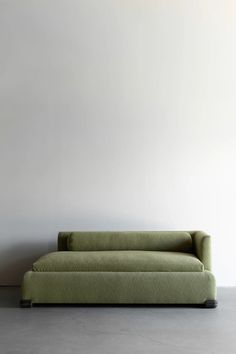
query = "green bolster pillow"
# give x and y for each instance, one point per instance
(177, 241)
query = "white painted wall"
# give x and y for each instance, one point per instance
(116, 115)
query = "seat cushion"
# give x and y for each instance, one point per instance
(118, 261)
(170, 241)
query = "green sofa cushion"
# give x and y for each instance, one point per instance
(178, 241)
(118, 261)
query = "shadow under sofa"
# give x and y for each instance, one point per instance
(126, 267)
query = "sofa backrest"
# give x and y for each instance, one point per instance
(173, 241)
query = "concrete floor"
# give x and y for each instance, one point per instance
(113, 330)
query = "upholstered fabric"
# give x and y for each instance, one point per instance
(118, 261)
(119, 287)
(177, 241)
(202, 247)
(124, 268)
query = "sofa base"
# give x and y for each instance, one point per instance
(25, 303)
(160, 288)
(210, 304)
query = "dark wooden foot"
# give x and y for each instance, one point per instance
(210, 304)
(25, 303)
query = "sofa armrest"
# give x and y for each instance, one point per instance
(202, 247)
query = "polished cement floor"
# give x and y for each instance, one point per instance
(113, 330)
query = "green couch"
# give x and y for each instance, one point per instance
(153, 267)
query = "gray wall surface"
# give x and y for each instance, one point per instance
(116, 115)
